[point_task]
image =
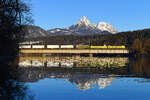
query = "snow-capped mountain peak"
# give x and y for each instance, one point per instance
(84, 21)
(106, 27)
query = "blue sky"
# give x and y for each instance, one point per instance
(124, 15)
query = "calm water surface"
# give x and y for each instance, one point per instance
(77, 78)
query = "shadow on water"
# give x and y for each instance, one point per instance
(10, 87)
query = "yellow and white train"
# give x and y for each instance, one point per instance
(70, 47)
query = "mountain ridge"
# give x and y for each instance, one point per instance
(82, 27)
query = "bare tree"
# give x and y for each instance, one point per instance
(13, 14)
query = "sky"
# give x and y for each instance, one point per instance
(124, 15)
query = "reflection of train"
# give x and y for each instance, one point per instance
(70, 47)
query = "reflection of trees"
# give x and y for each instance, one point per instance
(140, 66)
(10, 87)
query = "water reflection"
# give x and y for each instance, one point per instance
(82, 72)
(10, 87)
(84, 82)
(140, 66)
(70, 62)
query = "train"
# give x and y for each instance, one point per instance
(70, 47)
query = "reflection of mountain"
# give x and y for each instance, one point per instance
(103, 82)
(83, 80)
